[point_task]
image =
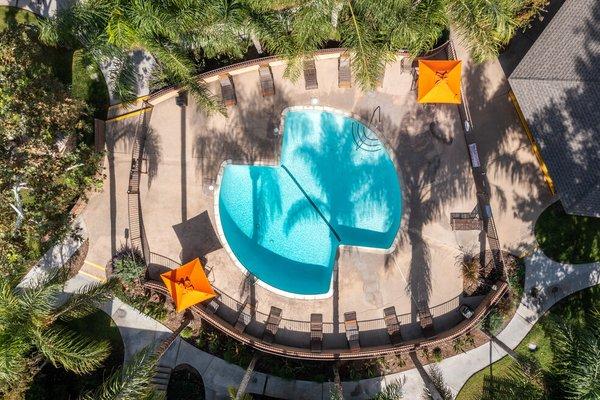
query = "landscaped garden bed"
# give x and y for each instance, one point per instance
(573, 311)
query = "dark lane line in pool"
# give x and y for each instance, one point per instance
(312, 203)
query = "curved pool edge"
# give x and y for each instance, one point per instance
(390, 152)
(236, 261)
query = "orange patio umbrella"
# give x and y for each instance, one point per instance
(188, 285)
(439, 81)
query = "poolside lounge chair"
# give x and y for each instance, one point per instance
(351, 326)
(344, 73)
(244, 317)
(272, 324)
(316, 332)
(227, 90)
(212, 306)
(426, 321)
(392, 324)
(310, 75)
(266, 80)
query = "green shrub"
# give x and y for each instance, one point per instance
(492, 322)
(436, 354)
(187, 332)
(128, 265)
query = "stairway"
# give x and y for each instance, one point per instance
(161, 378)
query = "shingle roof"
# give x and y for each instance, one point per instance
(557, 85)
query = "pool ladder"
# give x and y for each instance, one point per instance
(362, 139)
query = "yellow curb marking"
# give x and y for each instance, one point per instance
(92, 276)
(98, 266)
(128, 115)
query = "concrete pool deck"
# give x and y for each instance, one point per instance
(186, 147)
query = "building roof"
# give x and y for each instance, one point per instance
(557, 85)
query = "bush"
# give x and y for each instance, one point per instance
(128, 265)
(492, 322)
(187, 332)
(436, 354)
(437, 379)
(393, 391)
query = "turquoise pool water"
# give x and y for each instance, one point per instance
(336, 185)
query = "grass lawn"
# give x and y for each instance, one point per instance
(86, 84)
(571, 310)
(568, 238)
(55, 383)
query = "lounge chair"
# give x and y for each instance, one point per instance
(351, 326)
(465, 222)
(310, 75)
(266, 80)
(392, 324)
(316, 332)
(244, 318)
(227, 90)
(426, 322)
(344, 73)
(272, 324)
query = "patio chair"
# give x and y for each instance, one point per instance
(244, 317)
(392, 324)
(426, 322)
(212, 306)
(344, 73)
(227, 90)
(316, 332)
(351, 326)
(272, 324)
(310, 75)
(266, 80)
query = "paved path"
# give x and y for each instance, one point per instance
(138, 331)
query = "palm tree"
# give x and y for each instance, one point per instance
(485, 25)
(131, 382)
(577, 358)
(33, 330)
(110, 30)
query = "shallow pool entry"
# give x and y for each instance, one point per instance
(336, 185)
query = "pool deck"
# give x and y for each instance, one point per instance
(186, 148)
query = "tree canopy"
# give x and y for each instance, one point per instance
(44, 162)
(182, 35)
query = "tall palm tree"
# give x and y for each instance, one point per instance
(110, 30)
(33, 330)
(131, 382)
(577, 358)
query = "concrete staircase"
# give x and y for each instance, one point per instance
(161, 378)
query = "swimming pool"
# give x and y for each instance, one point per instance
(335, 185)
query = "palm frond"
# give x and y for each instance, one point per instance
(69, 349)
(131, 382)
(86, 300)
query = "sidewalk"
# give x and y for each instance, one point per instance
(139, 331)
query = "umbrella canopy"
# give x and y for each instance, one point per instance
(439, 81)
(188, 285)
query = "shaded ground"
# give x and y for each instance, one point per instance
(568, 238)
(570, 311)
(56, 383)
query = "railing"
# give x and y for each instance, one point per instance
(137, 236)
(229, 307)
(304, 352)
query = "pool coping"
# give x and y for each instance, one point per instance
(221, 233)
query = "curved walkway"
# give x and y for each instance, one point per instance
(553, 280)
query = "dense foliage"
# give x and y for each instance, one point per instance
(182, 35)
(44, 163)
(33, 329)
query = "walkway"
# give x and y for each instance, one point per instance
(138, 331)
